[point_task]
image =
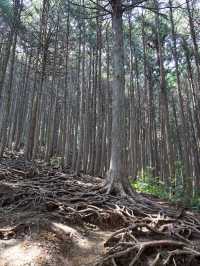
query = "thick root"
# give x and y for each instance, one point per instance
(144, 233)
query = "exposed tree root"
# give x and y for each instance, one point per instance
(145, 233)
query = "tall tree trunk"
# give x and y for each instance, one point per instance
(4, 133)
(117, 177)
(195, 44)
(5, 60)
(184, 124)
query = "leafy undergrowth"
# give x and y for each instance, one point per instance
(153, 186)
(48, 218)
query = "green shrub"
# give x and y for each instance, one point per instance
(146, 183)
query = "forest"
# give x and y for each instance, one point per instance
(99, 132)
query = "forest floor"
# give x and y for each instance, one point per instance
(48, 217)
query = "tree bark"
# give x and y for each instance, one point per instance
(116, 177)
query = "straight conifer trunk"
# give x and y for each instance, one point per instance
(117, 179)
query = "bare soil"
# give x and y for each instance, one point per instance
(48, 217)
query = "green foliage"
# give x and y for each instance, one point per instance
(150, 185)
(153, 186)
(171, 80)
(195, 204)
(55, 162)
(6, 9)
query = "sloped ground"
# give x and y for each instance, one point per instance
(51, 244)
(51, 218)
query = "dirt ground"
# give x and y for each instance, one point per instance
(48, 217)
(52, 244)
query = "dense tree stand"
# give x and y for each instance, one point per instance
(92, 93)
(104, 88)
